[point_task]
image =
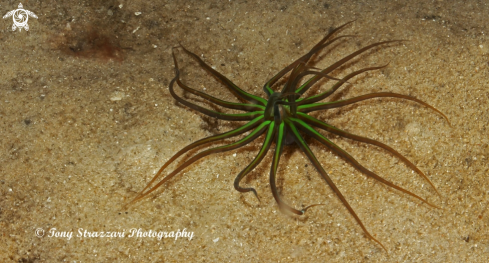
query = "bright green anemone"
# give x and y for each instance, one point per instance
(283, 118)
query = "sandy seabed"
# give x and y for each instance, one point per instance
(86, 119)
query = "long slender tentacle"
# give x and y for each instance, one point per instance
(293, 97)
(304, 59)
(249, 138)
(296, 76)
(318, 47)
(229, 84)
(319, 137)
(249, 126)
(340, 62)
(259, 157)
(305, 148)
(279, 144)
(321, 96)
(299, 68)
(330, 128)
(227, 104)
(341, 103)
(289, 85)
(219, 115)
(311, 72)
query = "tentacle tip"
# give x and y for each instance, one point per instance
(256, 194)
(127, 205)
(446, 118)
(138, 197)
(432, 205)
(378, 242)
(306, 208)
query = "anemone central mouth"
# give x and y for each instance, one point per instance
(278, 107)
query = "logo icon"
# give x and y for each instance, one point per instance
(20, 17)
